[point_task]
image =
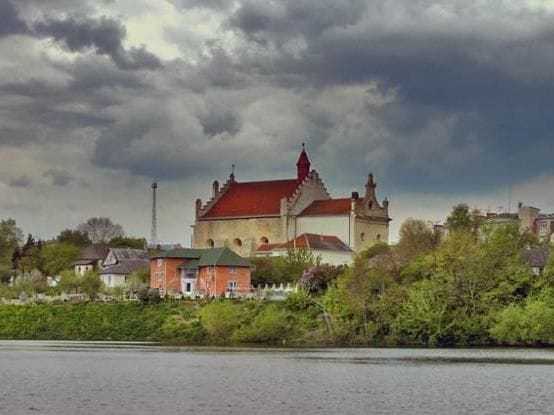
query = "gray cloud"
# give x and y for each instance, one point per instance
(203, 4)
(21, 181)
(104, 35)
(10, 22)
(59, 177)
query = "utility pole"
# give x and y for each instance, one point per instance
(153, 234)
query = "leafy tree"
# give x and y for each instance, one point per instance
(101, 229)
(74, 237)
(462, 219)
(127, 242)
(220, 320)
(58, 257)
(283, 269)
(29, 257)
(416, 238)
(30, 282)
(90, 284)
(69, 282)
(316, 279)
(10, 237)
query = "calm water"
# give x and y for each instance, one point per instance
(122, 378)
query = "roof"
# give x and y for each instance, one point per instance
(179, 253)
(252, 199)
(192, 263)
(222, 257)
(85, 262)
(126, 267)
(95, 252)
(125, 254)
(328, 207)
(535, 257)
(310, 241)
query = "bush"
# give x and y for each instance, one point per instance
(273, 325)
(220, 320)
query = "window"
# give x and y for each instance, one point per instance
(378, 237)
(362, 236)
(264, 240)
(210, 270)
(188, 287)
(237, 242)
(159, 275)
(232, 270)
(233, 286)
(160, 262)
(210, 243)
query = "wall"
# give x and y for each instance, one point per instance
(217, 283)
(371, 231)
(312, 189)
(171, 277)
(113, 280)
(249, 231)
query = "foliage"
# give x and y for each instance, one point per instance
(148, 295)
(316, 279)
(416, 238)
(88, 284)
(30, 282)
(462, 219)
(283, 269)
(127, 242)
(73, 237)
(273, 325)
(220, 319)
(56, 258)
(101, 230)
(10, 238)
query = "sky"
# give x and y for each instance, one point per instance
(443, 101)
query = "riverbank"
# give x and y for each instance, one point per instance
(183, 322)
(296, 322)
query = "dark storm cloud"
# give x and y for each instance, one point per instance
(218, 122)
(21, 181)
(59, 177)
(104, 35)
(203, 4)
(10, 22)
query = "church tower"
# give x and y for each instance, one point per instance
(302, 165)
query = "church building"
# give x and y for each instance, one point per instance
(246, 216)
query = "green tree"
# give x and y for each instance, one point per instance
(69, 282)
(10, 238)
(73, 237)
(90, 284)
(416, 238)
(462, 219)
(127, 242)
(58, 257)
(220, 320)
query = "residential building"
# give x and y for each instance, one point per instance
(210, 272)
(245, 215)
(91, 259)
(329, 248)
(120, 263)
(536, 259)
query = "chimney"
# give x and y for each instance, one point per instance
(215, 189)
(355, 195)
(198, 206)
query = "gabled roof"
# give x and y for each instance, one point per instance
(205, 257)
(222, 257)
(189, 253)
(125, 254)
(309, 241)
(126, 267)
(328, 207)
(94, 252)
(252, 199)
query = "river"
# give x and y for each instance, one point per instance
(129, 378)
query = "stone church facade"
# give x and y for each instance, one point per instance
(245, 215)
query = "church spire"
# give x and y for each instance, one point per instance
(303, 165)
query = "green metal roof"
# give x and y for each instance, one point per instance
(188, 253)
(222, 257)
(205, 257)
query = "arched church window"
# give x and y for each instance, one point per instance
(264, 240)
(210, 243)
(237, 242)
(378, 237)
(362, 236)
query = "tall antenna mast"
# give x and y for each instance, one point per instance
(153, 234)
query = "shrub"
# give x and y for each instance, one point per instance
(220, 320)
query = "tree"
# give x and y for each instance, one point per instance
(416, 238)
(127, 242)
(91, 284)
(462, 219)
(58, 257)
(29, 257)
(101, 230)
(10, 238)
(73, 237)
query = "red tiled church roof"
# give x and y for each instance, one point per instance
(252, 199)
(328, 207)
(310, 241)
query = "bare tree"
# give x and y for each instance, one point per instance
(101, 230)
